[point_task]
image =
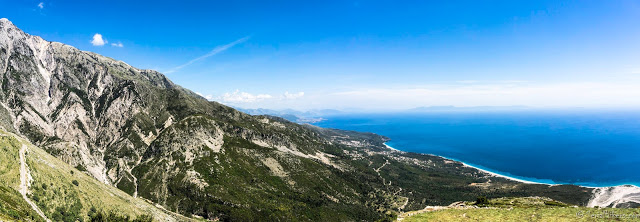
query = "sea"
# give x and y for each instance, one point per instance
(594, 148)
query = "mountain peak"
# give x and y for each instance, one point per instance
(4, 22)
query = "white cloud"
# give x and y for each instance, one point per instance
(239, 97)
(41, 5)
(208, 97)
(213, 52)
(614, 94)
(97, 40)
(119, 45)
(243, 97)
(576, 94)
(288, 95)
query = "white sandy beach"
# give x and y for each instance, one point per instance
(385, 144)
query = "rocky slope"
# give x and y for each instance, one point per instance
(136, 130)
(625, 196)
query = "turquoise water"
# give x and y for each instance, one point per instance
(589, 148)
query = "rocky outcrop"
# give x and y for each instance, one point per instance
(77, 105)
(625, 196)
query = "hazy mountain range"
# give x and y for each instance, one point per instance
(317, 115)
(311, 116)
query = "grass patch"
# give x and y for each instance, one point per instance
(527, 209)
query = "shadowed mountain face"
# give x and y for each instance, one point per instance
(136, 130)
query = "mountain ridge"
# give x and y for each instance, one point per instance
(136, 130)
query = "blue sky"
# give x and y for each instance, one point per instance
(364, 54)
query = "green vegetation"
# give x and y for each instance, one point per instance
(525, 209)
(481, 201)
(61, 194)
(95, 216)
(240, 187)
(529, 214)
(235, 183)
(13, 207)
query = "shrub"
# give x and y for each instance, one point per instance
(81, 168)
(481, 200)
(75, 182)
(144, 218)
(113, 216)
(13, 214)
(555, 203)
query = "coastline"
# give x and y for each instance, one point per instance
(603, 196)
(385, 144)
(499, 174)
(482, 170)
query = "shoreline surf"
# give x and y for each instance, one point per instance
(522, 180)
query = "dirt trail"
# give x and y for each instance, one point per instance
(406, 201)
(25, 178)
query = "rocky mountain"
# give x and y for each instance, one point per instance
(136, 130)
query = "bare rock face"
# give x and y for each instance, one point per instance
(75, 104)
(625, 196)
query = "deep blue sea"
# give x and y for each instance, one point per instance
(589, 148)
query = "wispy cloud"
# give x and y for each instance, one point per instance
(240, 97)
(119, 45)
(243, 97)
(288, 95)
(41, 5)
(98, 40)
(208, 97)
(213, 52)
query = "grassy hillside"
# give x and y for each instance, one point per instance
(62, 192)
(12, 205)
(521, 209)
